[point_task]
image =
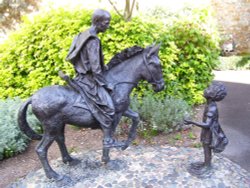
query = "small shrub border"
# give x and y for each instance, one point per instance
(158, 115)
(12, 140)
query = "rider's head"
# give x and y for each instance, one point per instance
(101, 19)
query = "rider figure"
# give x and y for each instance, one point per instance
(87, 58)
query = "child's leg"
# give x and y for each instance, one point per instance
(207, 154)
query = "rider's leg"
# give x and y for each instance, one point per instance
(108, 132)
(105, 151)
(108, 141)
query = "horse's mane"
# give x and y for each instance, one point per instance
(124, 55)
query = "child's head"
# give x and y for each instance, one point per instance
(216, 91)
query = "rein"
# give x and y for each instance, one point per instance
(125, 82)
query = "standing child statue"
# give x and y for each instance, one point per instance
(212, 136)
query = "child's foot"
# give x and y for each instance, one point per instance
(200, 169)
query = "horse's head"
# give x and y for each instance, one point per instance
(152, 70)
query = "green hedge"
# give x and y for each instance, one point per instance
(33, 55)
(12, 140)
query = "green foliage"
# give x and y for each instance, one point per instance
(189, 52)
(233, 63)
(12, 140)
(32, 56)
(191, 135)
(197, 145)
(161, 115)
(194, 56)
(178, 136)
(244, 62)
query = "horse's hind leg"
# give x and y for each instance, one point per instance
(42, 152)
(60, 139)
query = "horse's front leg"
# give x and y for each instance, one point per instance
(132, 132)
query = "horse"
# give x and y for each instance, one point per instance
(54, 105)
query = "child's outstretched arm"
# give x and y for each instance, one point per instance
(206, 124)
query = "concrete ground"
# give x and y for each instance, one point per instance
(234, 114)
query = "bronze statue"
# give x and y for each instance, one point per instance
(86, 55)
(56, 106)
(212, 136)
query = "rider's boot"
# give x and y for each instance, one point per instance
(109, 142)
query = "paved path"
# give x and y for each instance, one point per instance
(234, 115)
(142, 167)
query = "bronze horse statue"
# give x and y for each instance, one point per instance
(55, 106)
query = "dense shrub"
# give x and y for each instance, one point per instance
(12, 140)
(32, 56)
(161, 115)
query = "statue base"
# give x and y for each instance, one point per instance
(158, 166)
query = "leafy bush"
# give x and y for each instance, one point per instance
(33, 55)
(12, 140)
(161, 115)
(233, 63)
(190, 54)
(244, 62)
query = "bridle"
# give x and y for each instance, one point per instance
(153, 82)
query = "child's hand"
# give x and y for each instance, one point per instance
(187, 122)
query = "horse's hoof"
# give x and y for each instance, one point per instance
(124, 147)
(105, 160)
(74, 162)
(64, 180)
(55, 176)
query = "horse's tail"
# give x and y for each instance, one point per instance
(24, 125)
